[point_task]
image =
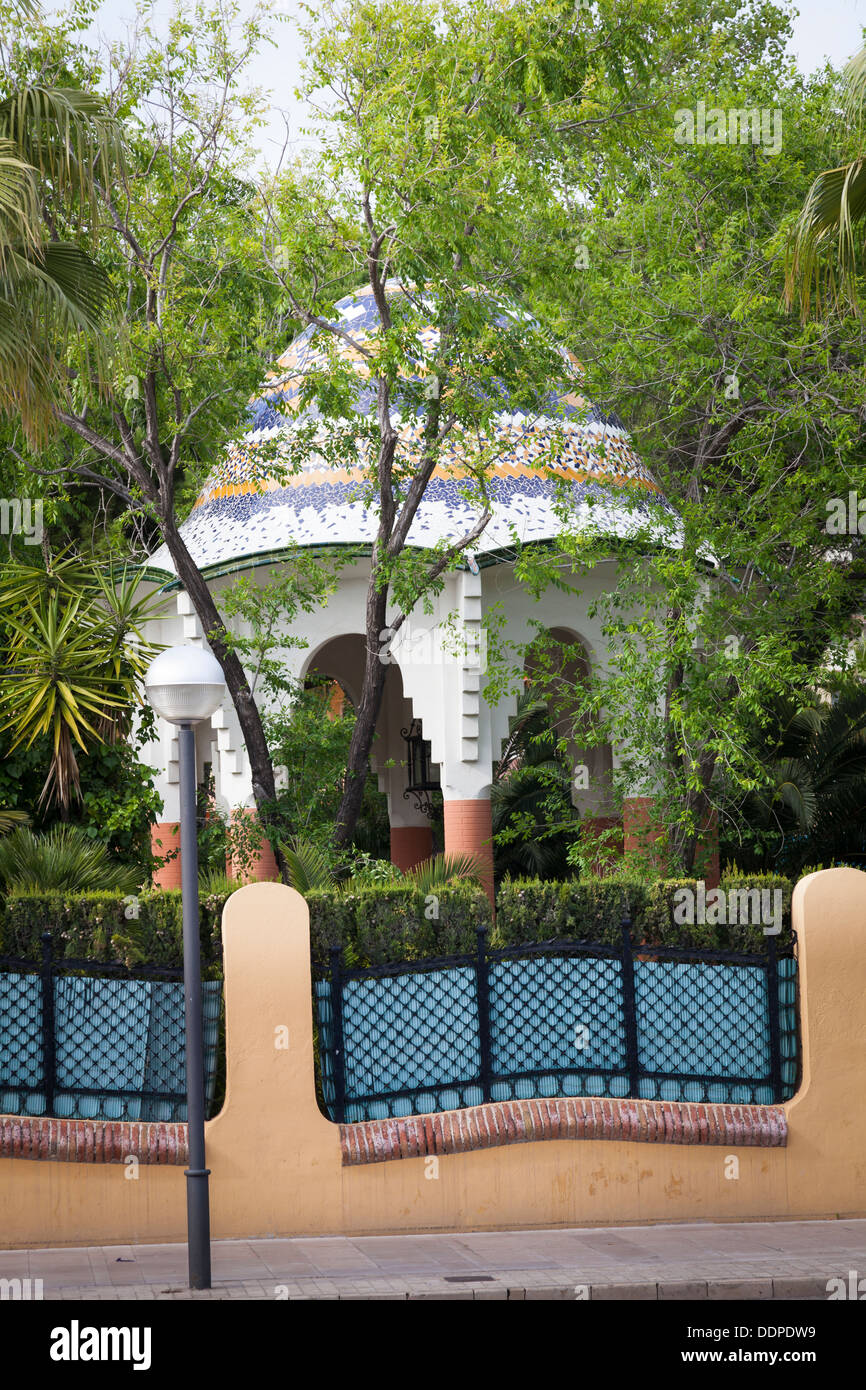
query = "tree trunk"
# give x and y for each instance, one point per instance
(366, 715)
(264, 787)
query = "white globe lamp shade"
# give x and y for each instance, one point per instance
(185, 685)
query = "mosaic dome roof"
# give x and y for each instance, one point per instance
(566, 451)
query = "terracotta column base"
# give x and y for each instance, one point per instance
(592, 826)
(641, 833)
(410, 845)
(263, 868)
(165, 837)
(469, 830)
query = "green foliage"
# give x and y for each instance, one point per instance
(826, 242)
(434, 873)
(309, 736)
(591, 909)
(394, 922)
(813, 804)
(310, 869)
(588, 909)
(216, 883)
(73, 638)
(308, 866)
(662, 928)
(534, 821)
(55, 144)
(147, 927)
(62, 860)
(379, 924)
(749, 420)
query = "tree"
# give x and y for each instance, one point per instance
(457, 134)
(74, 663)
(442, 140)
(832, 217)
(55, 143)
(181, 251)
(727, 599)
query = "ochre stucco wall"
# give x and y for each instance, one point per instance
(276, 1164)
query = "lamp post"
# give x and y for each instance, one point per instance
(185, 685)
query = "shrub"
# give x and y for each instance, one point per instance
(588, 909)
(375, 925)
(662, 928)
(591, 909)
(96, 926)
(382, 923)
(395, 921)
(62, 860)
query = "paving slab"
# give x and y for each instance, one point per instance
(705, 1260)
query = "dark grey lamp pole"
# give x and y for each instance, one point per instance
(185, 686)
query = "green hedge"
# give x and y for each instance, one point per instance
(385, 922)
(587, 909)
(388, 922)
(395, 922)
(591, 909)
(95, 926)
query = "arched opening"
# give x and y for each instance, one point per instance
(556, 665)
(562, 781)
(395, 822)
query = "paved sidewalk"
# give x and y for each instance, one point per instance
(760, 1260)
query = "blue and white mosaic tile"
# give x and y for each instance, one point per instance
(565, 456)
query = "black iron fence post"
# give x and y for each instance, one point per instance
(774, 1020)
(336, 954)
(629, 1008)
(49, 1049)
(483, 987)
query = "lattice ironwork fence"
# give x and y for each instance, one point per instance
(86, 1039)
(558, 1018)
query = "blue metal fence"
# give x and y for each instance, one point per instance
(85, 1039)
(561, 1018)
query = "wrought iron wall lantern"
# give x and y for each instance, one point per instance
(421, 783)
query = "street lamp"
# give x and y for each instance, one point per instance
(185, 685)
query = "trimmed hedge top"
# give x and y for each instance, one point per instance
(393, 922)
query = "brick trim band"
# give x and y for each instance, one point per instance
(92, 1141)
(525, 1121)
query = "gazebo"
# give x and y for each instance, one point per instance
(436, 729)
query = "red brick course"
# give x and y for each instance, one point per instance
(417, 1136)
(589, 1117)
(92, 1141)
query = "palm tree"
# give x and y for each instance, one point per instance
(834, 214)
(74, 662)
(56, 144)
(815, 806)
(310, 868)
(64, 860)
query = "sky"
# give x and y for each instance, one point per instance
(824, 29)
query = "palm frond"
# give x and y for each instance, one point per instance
(68, 136)
(442, 868)
(10, 820)
(307, 865)
(64, 860)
